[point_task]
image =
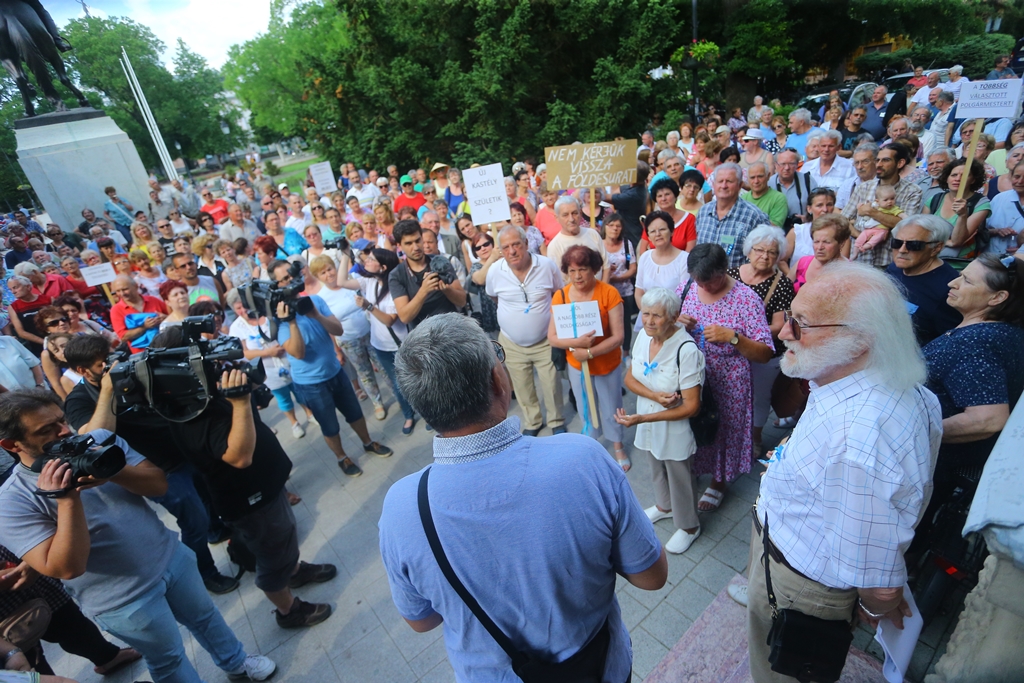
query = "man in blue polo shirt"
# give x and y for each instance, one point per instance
(317, 376)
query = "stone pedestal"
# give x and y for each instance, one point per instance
(70, 156)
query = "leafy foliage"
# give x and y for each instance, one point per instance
(976, 54)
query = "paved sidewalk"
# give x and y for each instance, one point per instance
(366, 640)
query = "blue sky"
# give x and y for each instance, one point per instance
(209, 27)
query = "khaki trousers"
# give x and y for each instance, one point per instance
(673, 490)
(792, 591)
(521, 361)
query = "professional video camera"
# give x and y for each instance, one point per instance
(341, 244)
(261, 298)
(86, 457)
(178, 383)
(443, 267)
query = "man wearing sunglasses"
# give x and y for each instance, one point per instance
(840, 500)
(923, 276)
(218, 208)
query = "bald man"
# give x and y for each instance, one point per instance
(135, 317)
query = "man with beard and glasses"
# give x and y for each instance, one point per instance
(841, 498)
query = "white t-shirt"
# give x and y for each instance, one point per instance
(380, 337)
(279, 373)
(342, 303)
(666, 440)
(587, 237)
(650, 275)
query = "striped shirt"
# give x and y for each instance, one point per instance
(852, 482)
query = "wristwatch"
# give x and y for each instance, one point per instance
(735, 338)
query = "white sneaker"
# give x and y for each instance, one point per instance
(681, 541)
(738, 593)
(255, 668)
(654, 514)
(297, 431)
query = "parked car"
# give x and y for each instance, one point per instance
(894, 83)
(852, 93)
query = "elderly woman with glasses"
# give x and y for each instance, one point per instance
(604, 354)
(666, 375)
(728, 319)
(762, 247)
(830, 236)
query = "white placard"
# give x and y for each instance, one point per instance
(587, 316)
(99, 275)
(323, 178)
(990, 99)
(485, 192)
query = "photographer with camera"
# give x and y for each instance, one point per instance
(317, 375)
(88, 407)
(245, 470)
(71, 514)
(423, 285)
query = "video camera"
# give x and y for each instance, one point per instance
(86, 457)
(261, 298)
(443, 268)
(341, 244)
(178, 383)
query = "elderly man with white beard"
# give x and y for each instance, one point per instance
(840, 499)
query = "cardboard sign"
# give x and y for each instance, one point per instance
(576, 319)
(99, 275)
(594, 165)
(485, 192)
(323, 178)
(988, 100)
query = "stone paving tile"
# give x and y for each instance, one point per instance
(366, 640)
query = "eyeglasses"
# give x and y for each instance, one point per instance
(795, 325)
(764, 252)
(499, 351)
(912, 245)
(56, 321)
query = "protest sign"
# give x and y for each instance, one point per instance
(485, 192)
(990, 99)
(592, 165)
(576, 319)
(99, 275)
(323, 178)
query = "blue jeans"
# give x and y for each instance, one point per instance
(387, 361)
(323, 399)
(182, 501)
(150, 624)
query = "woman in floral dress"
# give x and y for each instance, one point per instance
(728, 321)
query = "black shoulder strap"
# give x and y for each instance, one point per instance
(446, 568)
(1016, 203)
(936, 202)
(767, 574)
(686, 290)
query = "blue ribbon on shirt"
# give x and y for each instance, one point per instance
(587, 426)
(649, 367)
(699, 330)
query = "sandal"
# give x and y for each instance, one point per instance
(361, 395)
(624, 463)
(125, 656)
(712, 498)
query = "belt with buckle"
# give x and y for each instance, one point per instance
(773, 551)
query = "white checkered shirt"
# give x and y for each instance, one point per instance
(852, 482)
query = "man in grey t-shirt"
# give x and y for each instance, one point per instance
(125, 568)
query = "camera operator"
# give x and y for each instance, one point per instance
(418, 291)
(317, 376)
(124, 567)
(245, 470)
(88, 407)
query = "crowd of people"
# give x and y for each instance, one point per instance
(822, 268)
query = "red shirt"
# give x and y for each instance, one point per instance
(83, 289)
(415, 201)
(684, 231)
(547, 223)
(55, 286)
(118, 311)
(219, 211)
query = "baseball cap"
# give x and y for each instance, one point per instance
(405, 180)
(722, 129)
(282, 186)
(362, 244)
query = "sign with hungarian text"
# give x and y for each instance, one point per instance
(990, 99)
(592, 165)
(485, 192)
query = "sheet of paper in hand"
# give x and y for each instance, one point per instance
(576, 319)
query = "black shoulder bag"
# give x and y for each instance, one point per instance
(586, 666)
(558, 355)
(804, 647)
(705, 423)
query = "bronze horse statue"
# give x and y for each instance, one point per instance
(28, 34)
